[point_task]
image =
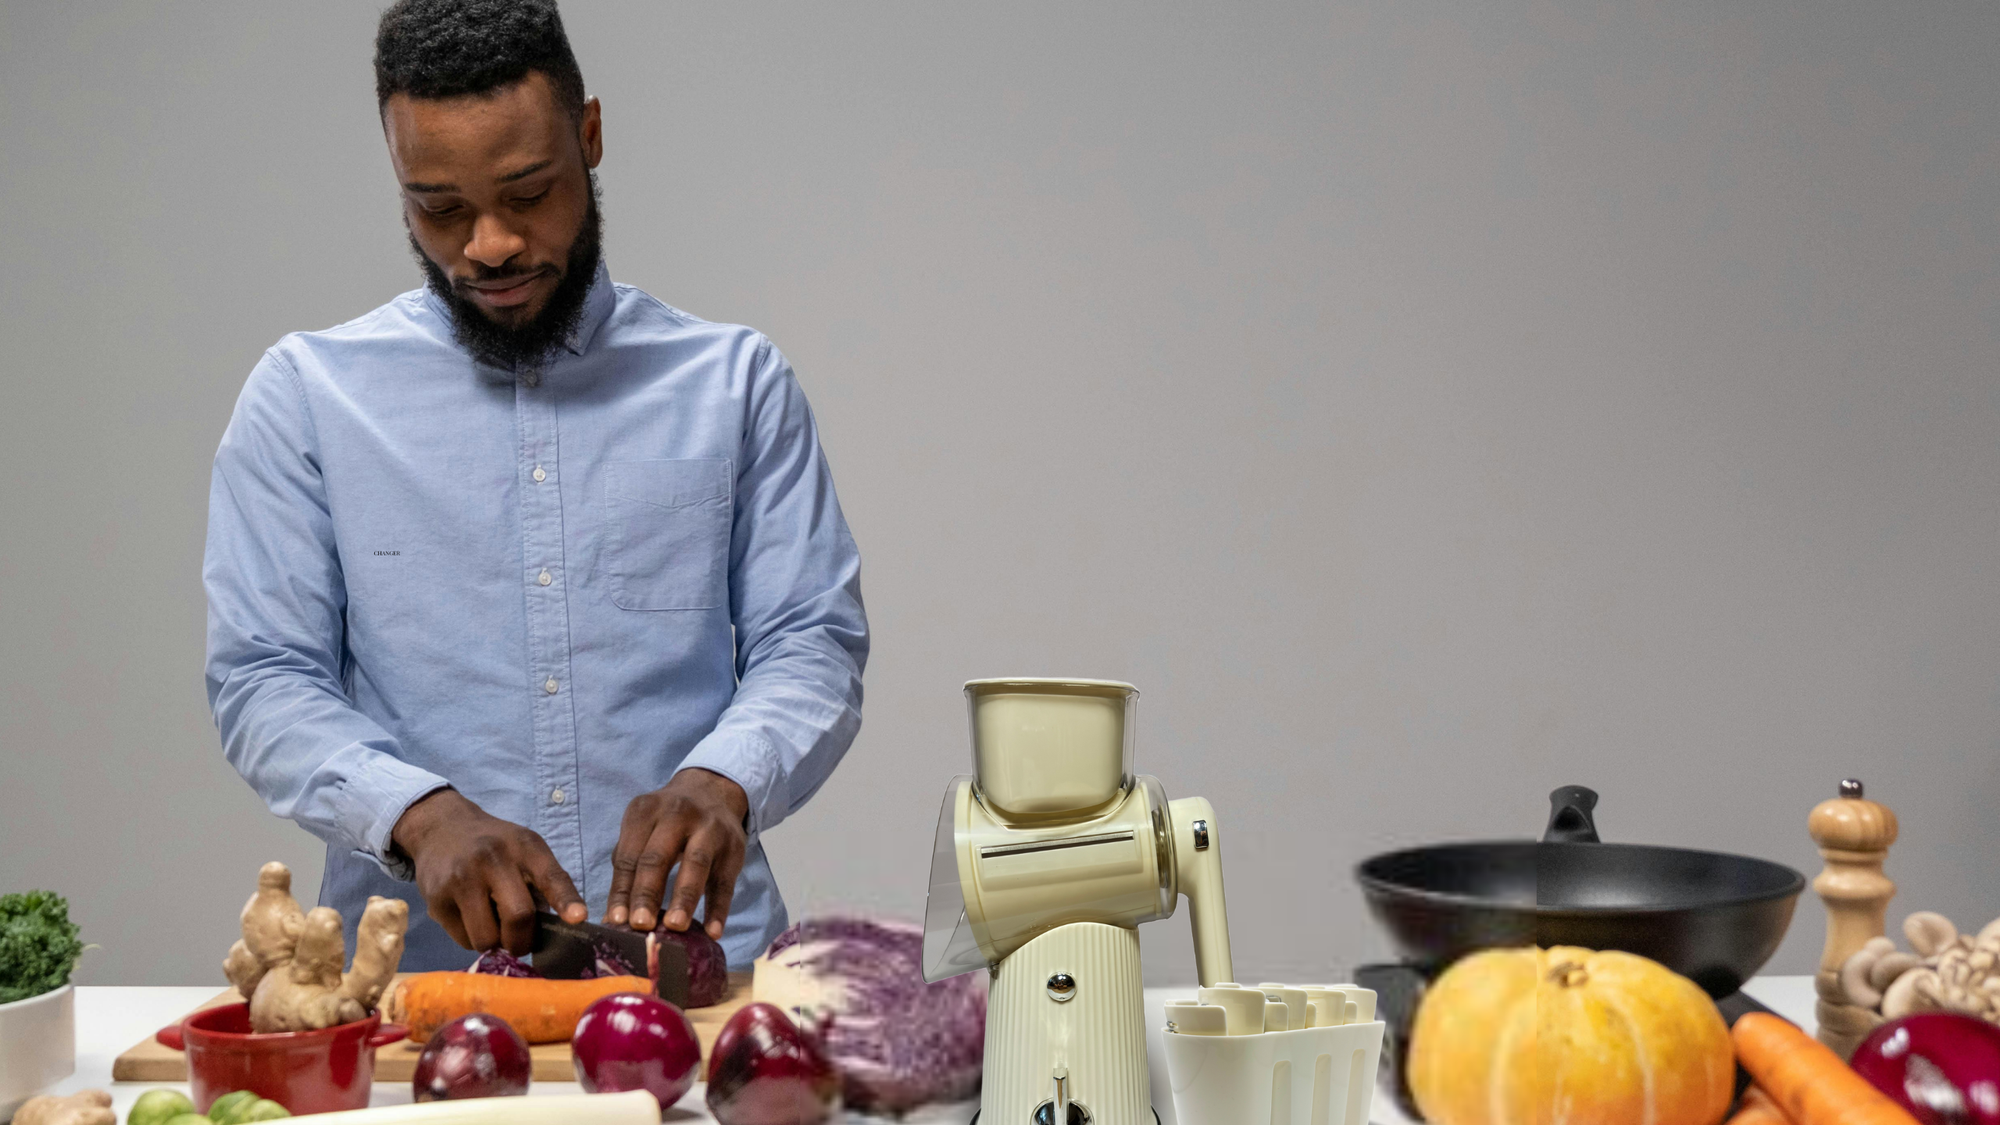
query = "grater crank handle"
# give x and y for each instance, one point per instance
(1198, 871)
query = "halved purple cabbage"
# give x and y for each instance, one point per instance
(500, 963)
(897, 1041)
(708, 965)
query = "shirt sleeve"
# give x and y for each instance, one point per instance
(795, 599)
(277, 607)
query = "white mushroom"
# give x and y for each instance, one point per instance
(1929, 932)
(1986, 951)
(1950, 971)
(1955, 967)
(1854, 972)
(1930, 990)
(1891, 968)
(1907, 995)
(1965, 1001)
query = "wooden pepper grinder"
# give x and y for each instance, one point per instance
(1853, 834)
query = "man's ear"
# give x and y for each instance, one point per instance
(590, 133)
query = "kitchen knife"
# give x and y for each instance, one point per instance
(566, 950)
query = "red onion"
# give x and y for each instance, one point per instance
(476, 1056)
(632, 1041)
(1942, 1067)
(764, 1070)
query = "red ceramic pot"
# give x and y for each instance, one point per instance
(304, 1071)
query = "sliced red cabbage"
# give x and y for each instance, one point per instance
(610, 962)
(708, 965)
(500, 963)
(897, 1041)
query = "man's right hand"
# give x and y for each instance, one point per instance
(479, 874)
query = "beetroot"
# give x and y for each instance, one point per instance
(475, 1056)
(764, 1070)
(632, 1041)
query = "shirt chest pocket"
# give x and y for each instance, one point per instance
(667, 533)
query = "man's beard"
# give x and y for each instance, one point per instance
(523, 349)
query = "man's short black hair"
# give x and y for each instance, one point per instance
(447, 48)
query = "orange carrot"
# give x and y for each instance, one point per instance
(1806, 1079)
(1757, 1108)
(542, 1011)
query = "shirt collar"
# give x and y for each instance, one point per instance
(597, 306)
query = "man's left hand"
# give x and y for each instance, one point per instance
(696, 820)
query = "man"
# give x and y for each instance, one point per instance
(526, 587)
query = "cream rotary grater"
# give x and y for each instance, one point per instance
(1048, 856)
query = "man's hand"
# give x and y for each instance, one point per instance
(697, 821)
(480, 874)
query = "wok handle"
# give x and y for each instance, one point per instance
(1569, 816)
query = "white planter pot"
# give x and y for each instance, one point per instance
(37, 1046)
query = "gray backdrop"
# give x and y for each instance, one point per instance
(1425, 404)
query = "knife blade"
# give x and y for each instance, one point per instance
(566, 950)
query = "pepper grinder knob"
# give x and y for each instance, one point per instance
(1854, 835)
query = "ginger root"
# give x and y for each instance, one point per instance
(85, 1107)
(288, 961)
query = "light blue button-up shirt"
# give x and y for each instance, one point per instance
(551, 594)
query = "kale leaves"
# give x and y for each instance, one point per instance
(38, 944)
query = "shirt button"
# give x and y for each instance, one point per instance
(545, 578)
(557, 797)
(549, 685)
(540, 474)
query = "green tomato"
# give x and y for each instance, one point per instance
(188, 1119)
(157, 1107)
(229, 1108)
(263, 1109)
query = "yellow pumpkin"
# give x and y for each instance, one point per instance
(1568, 1036)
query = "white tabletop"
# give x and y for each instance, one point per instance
(109, 1020)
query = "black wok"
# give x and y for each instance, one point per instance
(1711, 917)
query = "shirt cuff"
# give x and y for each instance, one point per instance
(378, 801)
(749, 761)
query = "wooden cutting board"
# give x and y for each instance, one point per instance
(397, 1062)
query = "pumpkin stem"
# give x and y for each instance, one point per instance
(1569, 974)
